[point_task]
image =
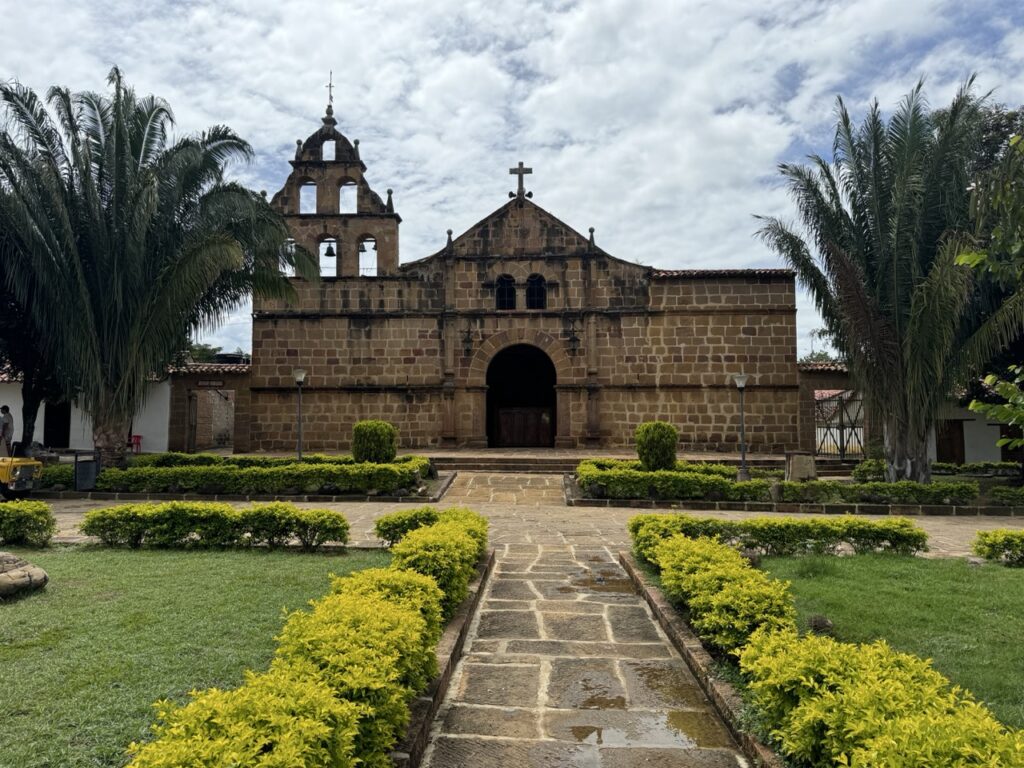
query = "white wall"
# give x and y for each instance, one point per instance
(152, 422)
(980, 435)
(10, 395)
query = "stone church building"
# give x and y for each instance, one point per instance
(520, 331)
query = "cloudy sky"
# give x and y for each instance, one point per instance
(659, 122)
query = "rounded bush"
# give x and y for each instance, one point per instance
(374, 441)
(656, 443)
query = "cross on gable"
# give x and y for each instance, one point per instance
(520, 171)
(330, 88)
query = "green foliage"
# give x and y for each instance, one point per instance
(1002, 545)
(447, 553)
(403, 587)
(291, 478)
(374, 441)
(630, 483)
(211, 524)
(277, 719)
(1008, 495)
(873, 470)
(58, 475)
(123, 239)
(368, 651)
(780, 535)
(474, 524)
(727, 599)
(902, 492)
(392, 527)
(1011, 411)
(656, 443)
(831, 703)
(26, 522)
(880, 226)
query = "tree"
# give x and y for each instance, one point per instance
(121, 243)
(884, 224)
(203, 353)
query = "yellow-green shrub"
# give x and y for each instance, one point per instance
(374, 441)
(403, 587)
(471, 522)
(285, 718)
(445, 552)
(780, 535)
(1002, 545)
(831, 703)
(656, 443)
(393, 527)
(26, 522)
(369, 651)
(727, 599)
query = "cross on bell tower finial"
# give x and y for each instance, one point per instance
(520, 171)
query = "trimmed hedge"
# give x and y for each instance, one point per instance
(28, 523)
(716, 482)
(212, 524)
(293, 478)
(1010, 496)
(392, 527)
(446, 553)
(62, 475)
(176, 459)
(656, 443)
(338, 691)
(780, 535)
(277, 718)
(727, 598)
(1002, 545)
(830, 703)
(374, 441)
(873, 470)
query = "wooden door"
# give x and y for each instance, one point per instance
(949, 442)
(525, 427)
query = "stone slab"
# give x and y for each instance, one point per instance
(585, 684)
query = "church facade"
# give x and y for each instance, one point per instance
(518, 332)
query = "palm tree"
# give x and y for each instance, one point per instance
(123, 242)
(884, 223)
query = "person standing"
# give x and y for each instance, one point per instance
(6, 429)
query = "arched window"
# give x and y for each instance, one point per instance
(505, 292)
(348, 197)
(536, 292)
(367, 257)
(329, 257)
(307, 197)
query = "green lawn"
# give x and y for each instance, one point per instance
(968, 620)
(82, 661)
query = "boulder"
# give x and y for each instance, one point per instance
(17, 575)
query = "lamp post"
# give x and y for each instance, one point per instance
(300, 378)
(740, 380)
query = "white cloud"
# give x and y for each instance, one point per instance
(658, 122)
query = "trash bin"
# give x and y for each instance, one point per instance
(87, 466)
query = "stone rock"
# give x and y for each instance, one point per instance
(975, 562)
(17, 575)
(820, 625)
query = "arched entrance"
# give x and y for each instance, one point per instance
(521, 398)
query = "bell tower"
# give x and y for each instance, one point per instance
(331, 210)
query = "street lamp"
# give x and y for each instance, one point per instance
(299, 374)
(740, 380)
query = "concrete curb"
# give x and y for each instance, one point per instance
(409, 752)
(572, 499)
(446, 480)
(722, 694)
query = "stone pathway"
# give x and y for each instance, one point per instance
(532, 490)
(565, 667)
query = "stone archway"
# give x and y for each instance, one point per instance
(521, 400)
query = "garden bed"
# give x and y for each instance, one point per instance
(967, 619)
(115, 630)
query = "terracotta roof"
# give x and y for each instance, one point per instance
(712, 273)
(211, 368)
(823, 367)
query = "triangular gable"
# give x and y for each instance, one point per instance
(521, 228)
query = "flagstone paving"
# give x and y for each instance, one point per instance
(565, 666)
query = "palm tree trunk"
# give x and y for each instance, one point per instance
(31, 399)
(906, 455)
(110, 436)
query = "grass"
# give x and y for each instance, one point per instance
(969, 620)
(82, 661)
